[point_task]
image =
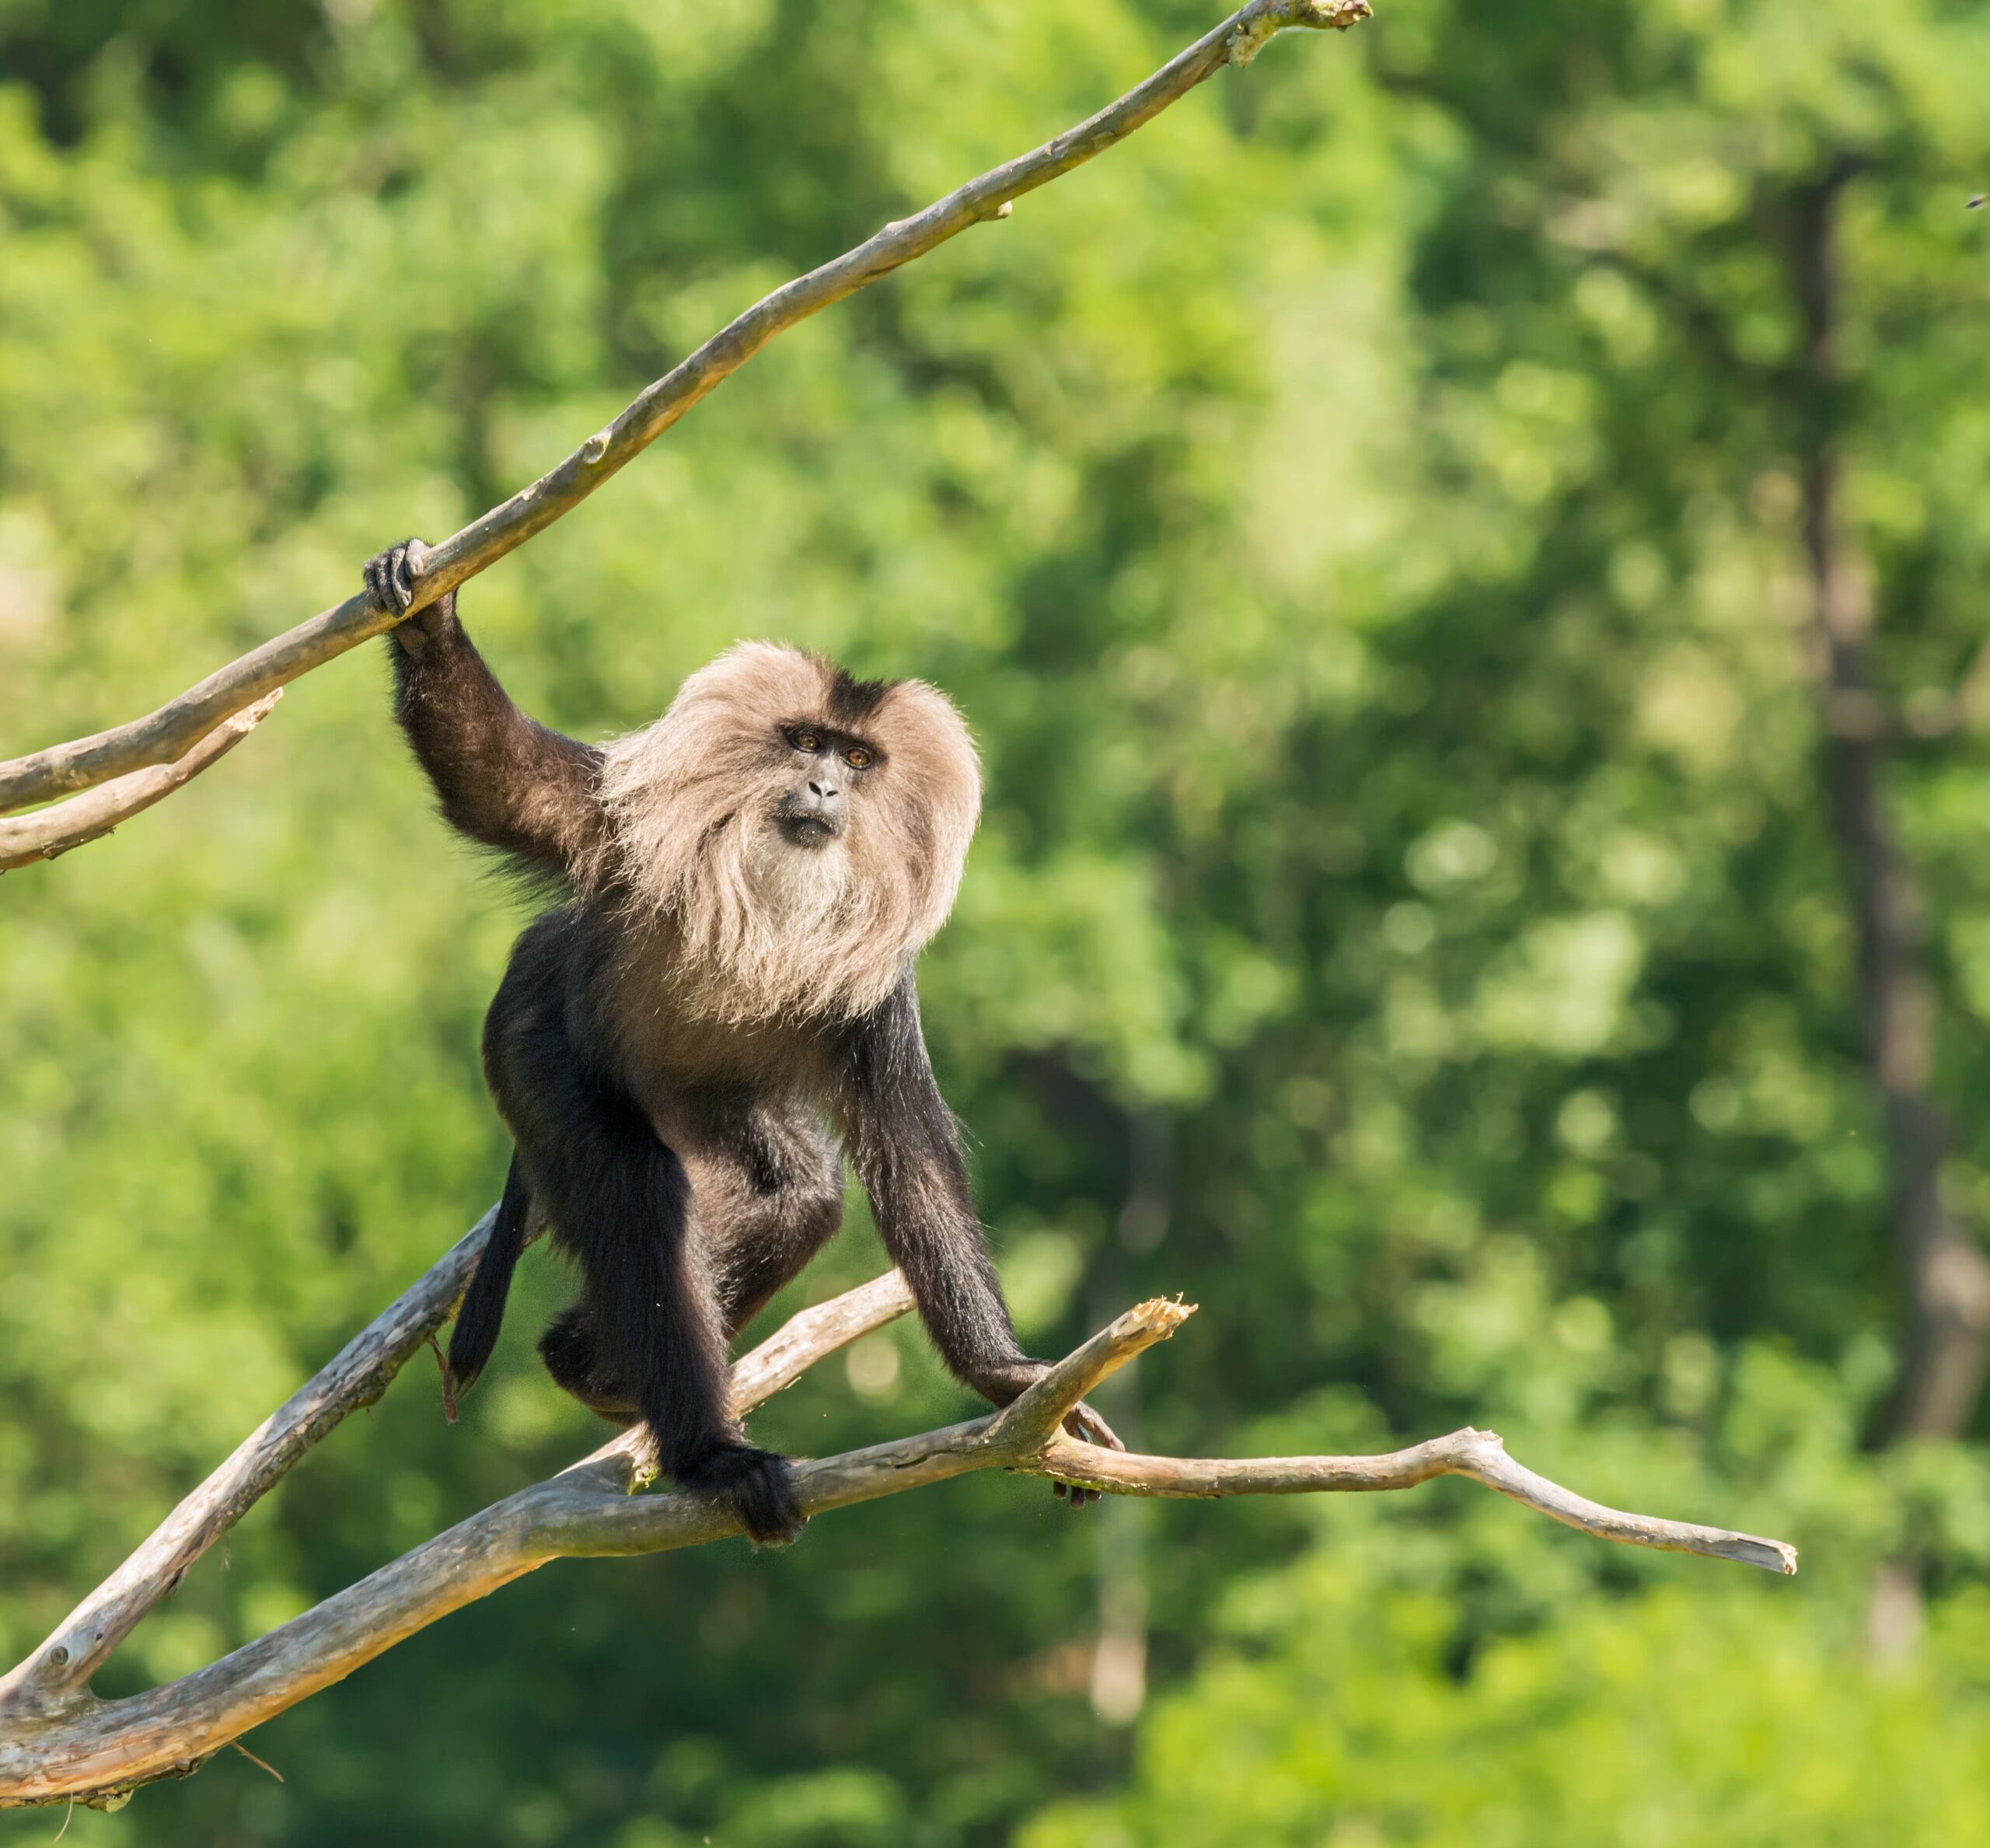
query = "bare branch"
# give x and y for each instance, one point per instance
(362, 1370)
(50, 832)
(1478, 1454)
(162, 735)
(1033, 1419)
(809, 1334)
(95, 1751)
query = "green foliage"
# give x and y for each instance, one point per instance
(1684, 1717)
(1358, 518)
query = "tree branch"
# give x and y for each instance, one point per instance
(82, 1749)
(1033, 1420)
(1478, 1455)
(362, 1370)
(168, 733)
(29, 839)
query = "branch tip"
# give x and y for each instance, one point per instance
(1329, 15)
(50, 832)
(1258, 28)
(1029, 1422)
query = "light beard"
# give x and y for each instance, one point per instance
(780, 936)
(799, 890)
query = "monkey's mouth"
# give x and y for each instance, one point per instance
(807, 827)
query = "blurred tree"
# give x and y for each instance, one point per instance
(1365, 523)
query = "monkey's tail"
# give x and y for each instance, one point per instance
(483, 1311)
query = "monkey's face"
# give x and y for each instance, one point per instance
(826, 768)
(805, 829)
(799, 859)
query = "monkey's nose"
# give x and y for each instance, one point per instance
(823, 791)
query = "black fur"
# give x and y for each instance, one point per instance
(483, 1311)
(905, 1145)
(852, 701)
(682, 1163)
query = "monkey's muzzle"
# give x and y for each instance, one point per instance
(812, 817)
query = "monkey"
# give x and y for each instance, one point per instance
(722, 1008)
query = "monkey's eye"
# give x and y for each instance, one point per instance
(857, 757)
(805, 740)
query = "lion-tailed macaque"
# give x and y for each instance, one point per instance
(729, 981)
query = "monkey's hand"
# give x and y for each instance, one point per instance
(390, 580)
(756, 1484)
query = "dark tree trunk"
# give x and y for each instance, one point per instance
(1945, 1332)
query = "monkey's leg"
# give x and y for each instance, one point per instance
(619, 1200)
(768, 1194)
(754, 1255)
(763, 1213)
(764, 1253)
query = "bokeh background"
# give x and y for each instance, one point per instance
(1372, 520)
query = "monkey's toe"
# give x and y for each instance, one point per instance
(758, 1488)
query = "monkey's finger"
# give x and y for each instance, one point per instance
(383, 584)
(406, 567)
(380, 584)
(390, 575)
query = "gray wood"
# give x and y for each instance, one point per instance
(66, 1744)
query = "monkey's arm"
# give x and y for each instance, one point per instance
(906, 1147)
(503, 779)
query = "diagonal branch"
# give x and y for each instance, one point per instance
(51, 1678)
(29, 839)
(44, 1707)
(1033, 1420)
(95, 1751)
(165, 735)
(772, 1368)
(362, 1370)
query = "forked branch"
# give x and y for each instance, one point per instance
(168, 734)
(58, 1742)
(47, 833)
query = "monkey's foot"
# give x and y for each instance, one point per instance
(1014, 1379)
(1087, 1426)
(758, 1486)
